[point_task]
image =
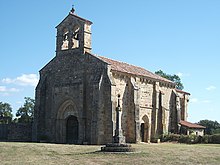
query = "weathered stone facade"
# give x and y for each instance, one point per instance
(76, 96)
(21, 132)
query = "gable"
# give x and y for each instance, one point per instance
(71, 18)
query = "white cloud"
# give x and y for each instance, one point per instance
(13, 90)
(211, 88)
(194, 100)
(181, 75)
(7, 80)
(206, 101)
(4, 89)
(24, 80)
(19, 102)
(4, 94)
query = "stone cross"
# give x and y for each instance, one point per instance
(118, 144)
(118, 138)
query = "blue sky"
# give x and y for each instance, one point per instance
(177, 36)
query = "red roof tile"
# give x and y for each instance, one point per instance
(190, 125)
(180, 91)
(131, 69)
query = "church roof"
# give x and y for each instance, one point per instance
(71, 14)
(191, 125)
(131, 69)
(180, 91)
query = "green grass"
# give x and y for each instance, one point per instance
(167, 153)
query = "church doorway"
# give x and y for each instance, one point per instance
(72, 130)
(142, 132)
(145, 129)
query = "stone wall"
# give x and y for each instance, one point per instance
(184, 100)
(78, 85)
(16, 132)
(3, 132)
(20, 132)
(147, 106)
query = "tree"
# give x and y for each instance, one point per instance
(212, 127)
(5, 110)
(26, 111)
(175, 78)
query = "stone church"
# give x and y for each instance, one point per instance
(77, 94)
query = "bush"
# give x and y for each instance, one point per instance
(215, 139)
(191, 139)
(169, 138)
(164, 138)
(183, 139)
(156, 139)
(205, 139)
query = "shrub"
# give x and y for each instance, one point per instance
(175, 137)
(215, 139)
(193, 139)
(155, 139)
(205, 139)
(189, 139)
(169, 137)
(164, 138)
(183, 139)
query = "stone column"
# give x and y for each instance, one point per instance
(118, 138)
(70, 39)
(118, 144)
(154, 120)
(178, 118)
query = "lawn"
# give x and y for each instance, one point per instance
(166, 153)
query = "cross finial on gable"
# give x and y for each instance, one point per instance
(72, 10)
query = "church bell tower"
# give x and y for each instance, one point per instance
(74, 34)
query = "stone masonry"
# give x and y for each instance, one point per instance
(76, 96)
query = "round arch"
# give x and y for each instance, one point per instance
(67, 109)
(145, 129)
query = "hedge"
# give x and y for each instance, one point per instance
(191, 139)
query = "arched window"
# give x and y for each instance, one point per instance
(75, 37)
(65, 39)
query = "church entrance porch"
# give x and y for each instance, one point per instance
(72, 130)
(69, 124)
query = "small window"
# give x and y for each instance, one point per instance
(75, 37)
(65, 39)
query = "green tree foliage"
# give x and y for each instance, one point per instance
(26, 112)
(175, 78)
(212, 127)
(5, 112)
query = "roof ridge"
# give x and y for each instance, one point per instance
(124, 63)
(181, 91)
(132, 69)
(190, 125)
